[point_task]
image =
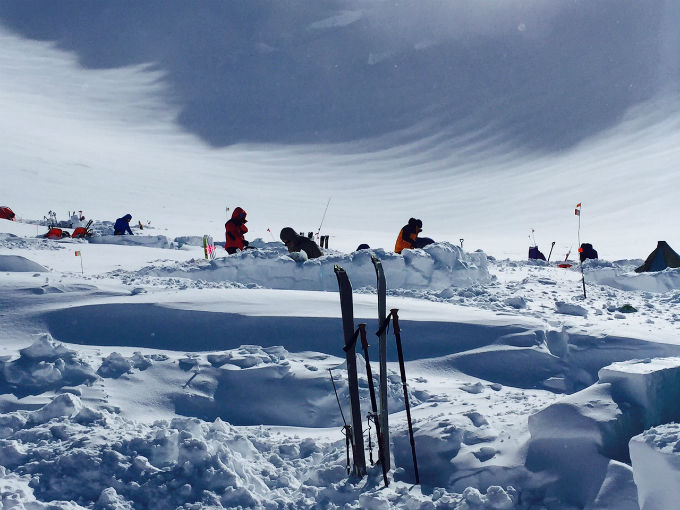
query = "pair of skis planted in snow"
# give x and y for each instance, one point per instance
(354, 431)
(208, 247)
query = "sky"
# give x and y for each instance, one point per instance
(484, 121)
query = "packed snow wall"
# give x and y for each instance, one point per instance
(436, 267)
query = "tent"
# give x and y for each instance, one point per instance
(6, 213)
(535, 253)
(661, 258)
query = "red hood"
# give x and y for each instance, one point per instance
(239, 214)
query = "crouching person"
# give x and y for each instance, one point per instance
(295, 242)
(122, 225)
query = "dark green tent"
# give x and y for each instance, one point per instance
(661, 258)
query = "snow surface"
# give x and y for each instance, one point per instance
(134, 373)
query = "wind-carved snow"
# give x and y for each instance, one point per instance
(44, 365)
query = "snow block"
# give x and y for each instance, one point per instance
(651, 385)
(618, 491)
(570, 309)
(655, 455)
(574, 439)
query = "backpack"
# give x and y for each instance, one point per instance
(82, 231)
(587, 252)
(56, 233)
(535, 253)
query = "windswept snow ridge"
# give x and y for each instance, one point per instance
(436, 267)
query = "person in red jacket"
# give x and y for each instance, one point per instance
(235, 228)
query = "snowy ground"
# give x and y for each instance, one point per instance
(160, 382)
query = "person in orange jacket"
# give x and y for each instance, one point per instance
(235, 228)
(408, 235)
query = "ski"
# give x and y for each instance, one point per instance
(208, 247)
(347, 310)
(382, 353)
(374, 404)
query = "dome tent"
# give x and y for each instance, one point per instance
(661, 258)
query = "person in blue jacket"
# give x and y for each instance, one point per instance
(122, 225)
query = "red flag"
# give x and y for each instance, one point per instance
(577, 211)
(77, 253)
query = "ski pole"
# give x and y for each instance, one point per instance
(324, 216)
(397, 336)
(577, 211)
(551, 249)
(374, 404)
(346, 429)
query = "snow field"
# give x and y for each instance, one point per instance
(507, 365)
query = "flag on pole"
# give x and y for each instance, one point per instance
(81, 261)
(577, 211)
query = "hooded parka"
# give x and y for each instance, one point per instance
(235, 229)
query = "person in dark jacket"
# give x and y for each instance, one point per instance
(122, 225)
(234, 230)
(295, 242)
